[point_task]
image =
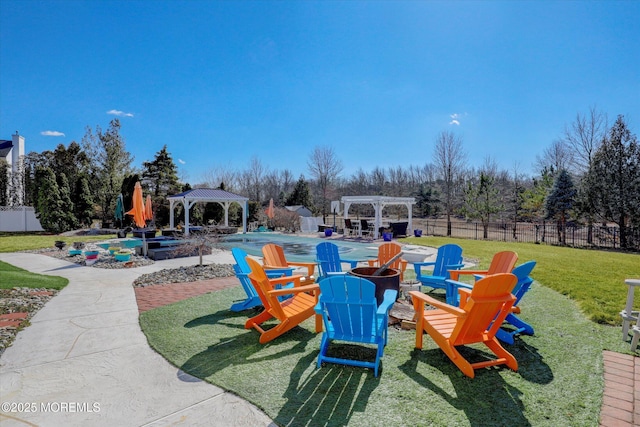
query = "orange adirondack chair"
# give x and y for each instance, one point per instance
(274, 259)
(502, 262)
(290, 312)
(386, 251)
(475, 321)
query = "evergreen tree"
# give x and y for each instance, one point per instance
(427, 201)
(533, 201)
(560, 202)
(301, 195)
(4, 182)
(613, 180)
(160, 176)
(49, 208)
(482, 200)
(84, 204)
(68, 219)
(110, 161)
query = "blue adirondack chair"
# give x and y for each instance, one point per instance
(242, 271)
(449, 257)
(350, 313)
(329, 261)
(522, 272)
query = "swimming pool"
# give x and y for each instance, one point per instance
(297, 248)
(134, 242)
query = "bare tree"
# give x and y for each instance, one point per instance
(449, 158)
(325, 167)
(556, 157)
(287, 181)
(378, 180)
(250, 180)
(272, 186)
(358, 183)
(221, 175)
(199, 243)
(584, 136)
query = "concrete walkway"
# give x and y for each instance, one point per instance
(84, 361)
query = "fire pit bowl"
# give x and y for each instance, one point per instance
(389, 279)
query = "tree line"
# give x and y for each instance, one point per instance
(589, 175)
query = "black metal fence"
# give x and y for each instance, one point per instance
(601, 237)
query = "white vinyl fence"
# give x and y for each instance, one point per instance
(19, 218)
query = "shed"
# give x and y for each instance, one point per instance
(208, 195)
(300, 210)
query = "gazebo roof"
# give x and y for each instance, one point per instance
(214, 195)
(209, 195)
(385, 200)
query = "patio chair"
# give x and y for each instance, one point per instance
(349, 229)
(366, 228)
(350, 312)
(329, 261)
(522, 273)
(242, 271)
(274, 258)
(475, 321)
(290, 312)
(449, 257)
(502, 262)
(386, 251)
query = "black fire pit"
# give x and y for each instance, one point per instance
(389, 279)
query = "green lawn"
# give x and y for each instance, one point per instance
(558, 383)
(12, 277)
(594, 279)
(14, 242)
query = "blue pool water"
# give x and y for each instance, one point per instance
(135, 242)
(297, 248)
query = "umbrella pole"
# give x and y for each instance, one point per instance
(144, 243)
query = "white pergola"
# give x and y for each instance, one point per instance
(378, 203)
(208, 195)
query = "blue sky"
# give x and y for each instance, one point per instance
(221, 81)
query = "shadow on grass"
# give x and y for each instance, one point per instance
(531, 365)
(215, 319)
(486, 399)
(328, 396)
(239, 349)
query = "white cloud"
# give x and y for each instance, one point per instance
(51, 133)
(455, 118)
(182, 162)
(119, 113)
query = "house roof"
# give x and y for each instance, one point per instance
(5, 147)
(209, 194)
